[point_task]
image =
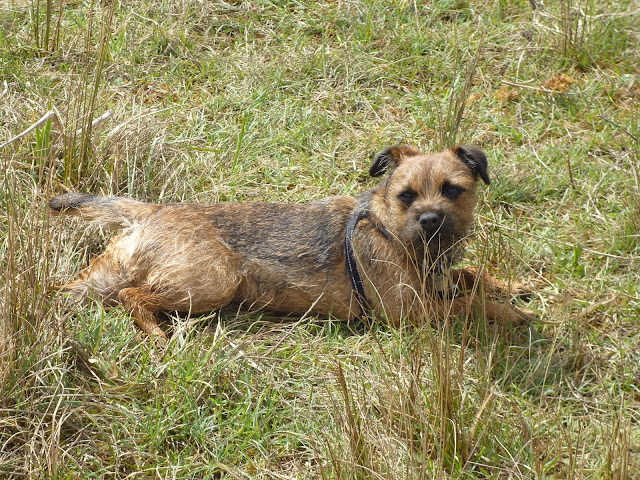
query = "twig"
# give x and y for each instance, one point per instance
(51, 115)
(6, 88)
(48, 116)
(56, 120)
(620, 127)
(96, 122)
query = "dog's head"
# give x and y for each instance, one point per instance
(427, 200)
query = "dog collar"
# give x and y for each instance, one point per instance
(440, 280)
(352, 266)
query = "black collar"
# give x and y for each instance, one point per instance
(352, 266)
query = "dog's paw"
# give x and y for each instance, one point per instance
(521, 290)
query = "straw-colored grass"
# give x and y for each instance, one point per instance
(288, 101)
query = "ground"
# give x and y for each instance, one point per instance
(289, 102)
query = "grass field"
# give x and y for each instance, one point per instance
(289, 101)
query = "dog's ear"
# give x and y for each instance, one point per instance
(391, 157)
(475, 159)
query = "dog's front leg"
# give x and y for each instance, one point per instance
(474, 305)
(472, 278)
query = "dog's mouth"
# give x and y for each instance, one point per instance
(433, 239)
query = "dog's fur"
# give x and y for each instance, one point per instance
(291, 258)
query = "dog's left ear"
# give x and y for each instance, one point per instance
(475, 159)
(391, 157)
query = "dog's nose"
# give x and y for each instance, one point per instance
(431, 220)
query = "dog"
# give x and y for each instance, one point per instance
(387, 254)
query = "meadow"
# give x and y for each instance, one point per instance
(288, 101)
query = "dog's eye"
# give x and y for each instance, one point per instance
(407, 197)
(451, 192)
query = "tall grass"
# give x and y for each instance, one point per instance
(289, 102)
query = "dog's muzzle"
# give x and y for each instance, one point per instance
(431, 221)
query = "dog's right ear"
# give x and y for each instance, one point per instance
(475, 159)
(391, 157)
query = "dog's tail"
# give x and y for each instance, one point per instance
(112, 212)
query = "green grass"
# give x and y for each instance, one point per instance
(289, 101)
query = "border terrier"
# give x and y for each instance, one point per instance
(388, 253)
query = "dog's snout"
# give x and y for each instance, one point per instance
(431, 220)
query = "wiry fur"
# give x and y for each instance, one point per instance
(290, 258)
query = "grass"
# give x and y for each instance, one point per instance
(288, 101)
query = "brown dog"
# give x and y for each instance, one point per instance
(389, 252)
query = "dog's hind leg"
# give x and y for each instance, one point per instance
(102, 279)
(143, 303)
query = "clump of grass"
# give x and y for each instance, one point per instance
(588, 32)
(289, 102)
(46, 26)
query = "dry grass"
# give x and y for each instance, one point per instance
(285, 101)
